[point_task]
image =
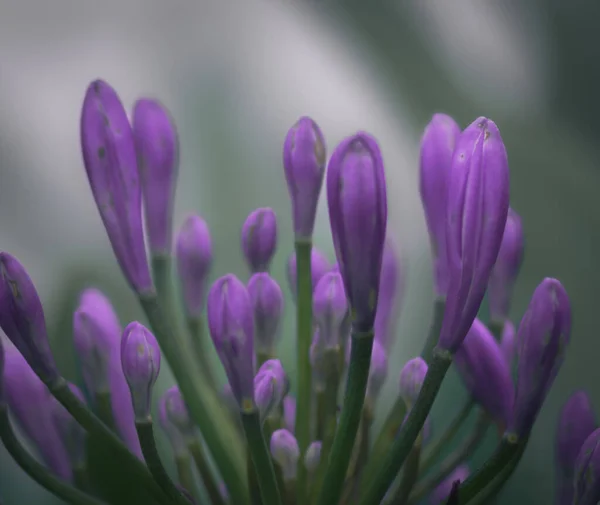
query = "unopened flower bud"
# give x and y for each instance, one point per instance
(72, 434)
(304, 165)
(157, 149)
(411, 379)
(109, 156)
(259, 239)
(378, 371)
(289, 413)
(178, 413)
(317, 360)
(140, 359)
(174, 434)
(267, 301)
(319, 266)
(587, 471)
(270, 386)
(508, 343)
(285, 451)
(312, 458)
(442, 492)
(231, 325)
(330, 310)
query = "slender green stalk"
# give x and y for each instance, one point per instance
(304, 330)
(354, 397)
(207, 476)
(86, 418)
(460, 455)
(207, 412)
(81, 479)
(145, 433)
(261, 458)
(103, 404)
(255, 497)
(433, 452)
(197, 331)
(434, 331)
(37, 471)
(506, 450)
(185, 474)
(290, 492)
(409, 476)
(321, 403)
(360, 456)
(402, 445)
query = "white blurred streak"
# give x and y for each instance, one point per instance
(492, 52)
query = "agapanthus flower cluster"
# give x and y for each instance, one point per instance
(311, 437)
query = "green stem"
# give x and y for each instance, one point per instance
(206, 410)
(197, 331)
(509, 446)
(304, 327)
(255, 497)
(434, 451)
(355, 474)
(321, 413)
(38, 472)
(81, 478)
(185, 474)
(103, 404)
(290, 492)
(345, 434)
(457, 457)
(409, 476)
(145, 433)
(402, 445)
(434, 331)
(86, 418)
(261, 458)
(207, 476)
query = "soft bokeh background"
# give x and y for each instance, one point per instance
(236, 74)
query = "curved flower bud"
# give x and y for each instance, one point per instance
(312, 457)
(157, 149)
(508, 343)
(109, 157)
(177, 412)
(411, 379)
(485, 372)
(71, 433)
(140, 358)
(22, 317)
(31, 404)
(442, 492)
(356, 196)
(194, 259)
(304, 165)
(587, 471)
(285, 451)
(270, 386)
(543, 336)
(391, 290)
(289, 413)
(231, 325)
(267, 301)
(477, 209)
(259, 239)
(330, 309)
(378, 371)
(319, 266)
(176, 438)
(576, 422)
(97, 338)
(437, 147)
(506, 268)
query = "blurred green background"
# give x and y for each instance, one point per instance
(237, 74)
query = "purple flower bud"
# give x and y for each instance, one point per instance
(356, 195)
(285, 451)
(140, 358)
(506, 269)
(304, 165)
(477, 209)
(178, 413)
(157, 149)
(270, 386)
(437, 147)
(231, 325)
(267, 301)
(543, 336)
(427, 432)
(442, 492)
(31, 404)
(259, 239)
(508, 343)
(317, 360)
(312, 458)
(289, 413)
(330, 310)
(22, 317)
(319, 266)
(97, 338)
(391, 290)
(485, 372)
(378, 371)
(108, 149)
(173, 433)
(411, 379)
(72, 434)
(2, 398)
(194, 259)
(587, 471)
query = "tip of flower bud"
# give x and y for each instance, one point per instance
(259, 239)
(411, 379)
(270, 386)
(312, 458)
(177, 411)
(267, 301)
(285, 451)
